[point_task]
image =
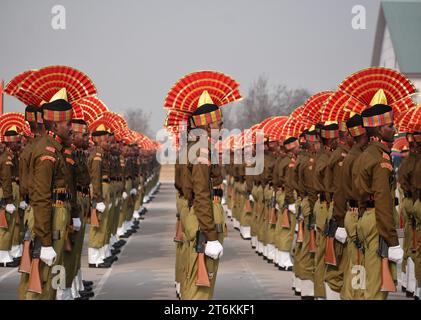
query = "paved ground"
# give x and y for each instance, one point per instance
(145, 269)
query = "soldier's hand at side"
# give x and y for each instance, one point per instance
(10, 208)
(133, 191)
(214, 249)
(23, 205)
(251, 198)
(77, 224)
(341, 235)
(124, 195)
(100, 206)
(291, 208)
(395, 254)
(48, 255)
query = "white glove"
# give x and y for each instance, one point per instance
(341, 235)
(224, 181)
(10, 208)
(395, 254)
(214, 249)
(133, 191)
(100, 206)
(277, 207)
(124, 195)
(77, 224)
(23, 205)
(136, 214)
(291, 208)
(48, 255)
(251, 198)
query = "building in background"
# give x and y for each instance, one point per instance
(398, 39)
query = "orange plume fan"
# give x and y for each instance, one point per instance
(364, 84)
(92, 108)
(269, 127)
(115, 121)
(313, 106)
(185, 94)
(46, 82)
(409, 121)
(175, 118)
(14, 85)
(7, 120)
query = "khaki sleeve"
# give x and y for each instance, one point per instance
(202, 203)
(384, 203)
(6, 179)
(41, 197)
(23, 176)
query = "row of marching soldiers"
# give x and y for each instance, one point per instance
(329, 205)
(54, 183)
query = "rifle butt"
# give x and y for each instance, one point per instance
(388, 285)
(330, 257)
(34, 284)
(285, 219)
(94, 218)
(25, 262)
(3, 219)
(312, 243)
(202, 272)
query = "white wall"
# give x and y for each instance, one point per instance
(417, 83)
(388, 56)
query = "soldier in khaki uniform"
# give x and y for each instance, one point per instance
(374, 179)
(287, 215)
(33, 115)
(307, 196)
(51, 194)
(406, 180)
(7, 195)
(78, 162)
(334, 183)
(322, 210)
(417, 213)
(99, 172)
(349, 219)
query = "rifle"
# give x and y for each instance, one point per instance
(94, 216)
(285, 217)
(330, 256)
(3, 218)
(414, 234)
(248, 208)
(388, 285)
(202, 272)
(300, 218)
(25, 262)
(360, 249)
(311, 227)
(34, 284)
(272, 208)
(70, 239)
(178, 230)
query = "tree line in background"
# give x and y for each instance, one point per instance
(263, 101)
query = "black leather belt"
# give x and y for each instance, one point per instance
(84, 190)
(62, 196)
(217, 192)
(353, 203)
(370, 204)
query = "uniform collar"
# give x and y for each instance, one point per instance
(56, 141)
(380, 146)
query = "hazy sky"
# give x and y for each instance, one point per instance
(135, 50)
